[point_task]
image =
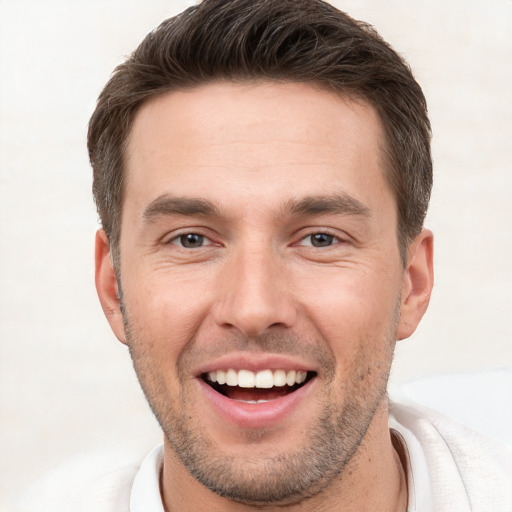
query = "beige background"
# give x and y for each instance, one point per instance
(66, 386)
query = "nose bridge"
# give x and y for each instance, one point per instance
(253, 295)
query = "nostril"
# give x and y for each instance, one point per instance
(253, 305)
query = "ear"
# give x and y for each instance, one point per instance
(417, 283)
(107, 286)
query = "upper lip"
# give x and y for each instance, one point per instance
(255, 362)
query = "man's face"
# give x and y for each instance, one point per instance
(259, 246)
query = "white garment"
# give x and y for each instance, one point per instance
(450, 468)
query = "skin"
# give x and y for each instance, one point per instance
(281, 163)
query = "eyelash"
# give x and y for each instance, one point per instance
(179, 240)
(333, 239)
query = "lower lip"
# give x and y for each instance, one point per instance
(260, 415)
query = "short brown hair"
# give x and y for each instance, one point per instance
(286, 40)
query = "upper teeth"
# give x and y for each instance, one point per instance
(261, 379)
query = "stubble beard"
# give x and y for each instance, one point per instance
(332, 439)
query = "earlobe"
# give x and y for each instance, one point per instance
(417, 283)
(107, 286)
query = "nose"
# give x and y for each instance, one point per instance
(254, 295)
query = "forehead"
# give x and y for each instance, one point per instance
(255, 139)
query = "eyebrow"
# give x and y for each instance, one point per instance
(167, 205)
(336, 204)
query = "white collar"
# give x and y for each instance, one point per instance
(145, 495)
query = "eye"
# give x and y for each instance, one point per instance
(319, 240)
(190, 241)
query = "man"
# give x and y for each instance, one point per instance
(262, 171)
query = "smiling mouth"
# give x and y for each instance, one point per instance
(257, 387)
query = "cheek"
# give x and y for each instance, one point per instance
(165, 313)
(357, 317)
(351, 303)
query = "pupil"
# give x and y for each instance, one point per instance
(321, 240)
(192, 240)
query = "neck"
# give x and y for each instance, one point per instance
(374, 479)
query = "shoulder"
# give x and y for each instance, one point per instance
(89, 484)
(461, 465)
